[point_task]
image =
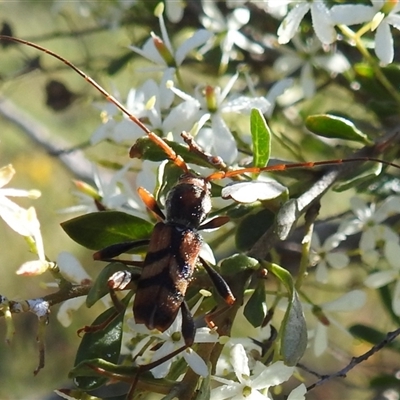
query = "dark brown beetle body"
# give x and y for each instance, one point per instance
(172, 256)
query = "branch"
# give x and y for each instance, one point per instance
(357, 360)
(75, 162)
(293, 209)
(39, 305)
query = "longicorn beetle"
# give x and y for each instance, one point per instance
(174, 245)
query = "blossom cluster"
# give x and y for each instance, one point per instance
(312, 47)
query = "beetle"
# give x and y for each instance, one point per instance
(174, 246)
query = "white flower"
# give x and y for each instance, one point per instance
(16, 217)
(307, 56)
(173, 339)
(73, 271)
(348, 302)
(368, 221)
(382, 15)
(277, 8)
(321, 20)
(251, 385)
(325, 256)
(160, 50)
(210, 104)
(227, 31)
(382, 278)
(113, 192)
(174, 10)
(23, 221)
(146, 102)
(298, 393)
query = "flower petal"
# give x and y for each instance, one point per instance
(224, 143)
(239, 361)
(67, 309)
(392, 254)
(384, 43)
(350, 301)
(195, 362)
(321, 272)
(298, 393)
(273, 375)
(396, 299)
(290, 24)
(379, 279)
(71, 267)
(320, 339)
(199, 37)
(322, 22)
(337, 260)
(351, 14)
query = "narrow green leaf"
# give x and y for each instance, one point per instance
(101, 229)
(334, 127)
(255, 309)
(284, 276)
(103, 343)
(145, 149)
(293, 331)
(261, 136)
(252, 227)
(87, 368)
(363, 174)
(372, 335)
(237, 263)
(203, 393)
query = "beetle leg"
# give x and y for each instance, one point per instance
(219, 283)
(188, 328)
(215, 222)
(114, 250)
(150, 202)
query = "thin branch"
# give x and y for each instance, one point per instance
(75, 162)
(293, 209)
(357, 360)
(32, 305)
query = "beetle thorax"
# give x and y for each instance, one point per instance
(189, 202)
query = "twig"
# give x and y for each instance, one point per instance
(356, 360)
(32, 305)
(75, 162)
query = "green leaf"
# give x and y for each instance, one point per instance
(255, 309)
(334, 127)
(100, 287)
(204, 391)
(252, 227)
(103, 343)
(293, 331)
(92, 368)
(385, 381)
(362, 174)
(261, 136)
(87, 368)
(237, 263)
(146, 149)
(372, 335)
(101, 229)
